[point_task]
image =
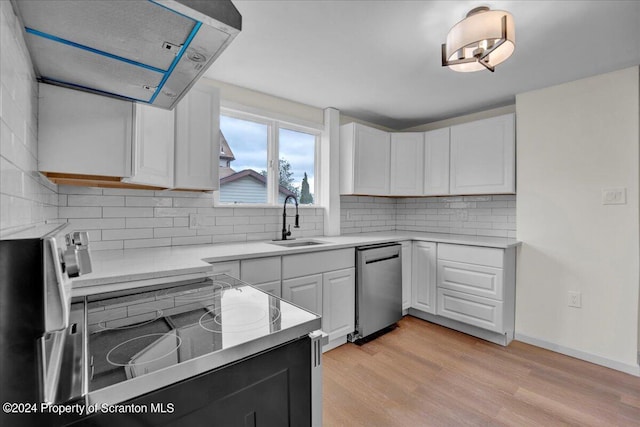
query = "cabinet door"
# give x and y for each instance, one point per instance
(407, 163)
(371, 161)
(273, 288)
(423, 277)
(305, 292)
(436, 162)
(339, 302)
(198, 139)
(83, 133)
(406, 275)
(483, 156)
(153, 147)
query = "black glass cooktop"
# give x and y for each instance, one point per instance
(137, 332)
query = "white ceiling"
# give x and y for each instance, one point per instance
(379, 61)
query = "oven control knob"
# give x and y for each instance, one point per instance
(70, 260)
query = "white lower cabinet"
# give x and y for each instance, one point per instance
(476, 286)
(406, 275)
(230, 268)
(325, 283)
(273, 288)
(338, 302)
(305, 292)
(263, 273)
(423, 276)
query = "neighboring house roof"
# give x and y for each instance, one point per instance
(225, 171)
(225, 150)
(256, 176)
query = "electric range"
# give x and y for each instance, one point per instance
(141, 340)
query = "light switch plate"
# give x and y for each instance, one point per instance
(614, 196)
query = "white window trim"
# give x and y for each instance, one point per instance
(274, 122)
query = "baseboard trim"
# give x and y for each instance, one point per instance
(578, 354)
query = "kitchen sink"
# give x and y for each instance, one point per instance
(297, 243)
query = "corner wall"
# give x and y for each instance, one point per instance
(574, 140)
(26, 198)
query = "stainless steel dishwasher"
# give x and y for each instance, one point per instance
(378, 288)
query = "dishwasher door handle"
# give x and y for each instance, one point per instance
(382, 259)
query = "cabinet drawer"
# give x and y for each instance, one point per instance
(471, 278)
(482, 312)
(317, 262)
(492, 257)
(260, 270)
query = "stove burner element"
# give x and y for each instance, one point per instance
(239, 318)
(145, 348)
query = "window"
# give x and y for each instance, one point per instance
(262, 161)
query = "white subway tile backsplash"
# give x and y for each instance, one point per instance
(80, 212)
(149, 201)
(143, 223)
(87, 200)
(25, 198)
(127, 212)
(473, 215)
(127, 234)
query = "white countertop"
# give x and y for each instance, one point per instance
(129, 265)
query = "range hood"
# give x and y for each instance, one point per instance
(149, 51)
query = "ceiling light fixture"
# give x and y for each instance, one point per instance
(484, 39)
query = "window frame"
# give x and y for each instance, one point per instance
(274, 125)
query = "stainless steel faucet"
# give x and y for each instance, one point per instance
(287, 232)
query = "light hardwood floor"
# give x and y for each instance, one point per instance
(422, 374)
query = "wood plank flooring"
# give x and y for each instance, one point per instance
(422, 374)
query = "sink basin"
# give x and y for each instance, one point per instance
(297, 243)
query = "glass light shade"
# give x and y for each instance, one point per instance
(481, 29)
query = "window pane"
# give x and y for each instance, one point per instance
(243, 161)
(297, 161)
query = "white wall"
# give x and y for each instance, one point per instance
(574, 140)
(485, 114)
(26, 198)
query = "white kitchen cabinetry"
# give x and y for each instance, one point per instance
(323, 282)
(92, 140)
(476, 286)
(153, 147)
(263, 273)
(483, 156)
(230, 268)
(197, 144)
(423, 277)
(407, 164)
(436, 162)
(305, 292)
(85, 134)
(406, 275)
(338, 302)
(364, 160)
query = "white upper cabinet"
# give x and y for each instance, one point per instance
(197, 145)
(436, 162)
(407, 163)
(483, 156)
(153, 147)
(93, 140)
(85, 134)
(364, 160)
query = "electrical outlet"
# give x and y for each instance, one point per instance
(348, 215)
(614, 196)
(462, 215)
(575, 299)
